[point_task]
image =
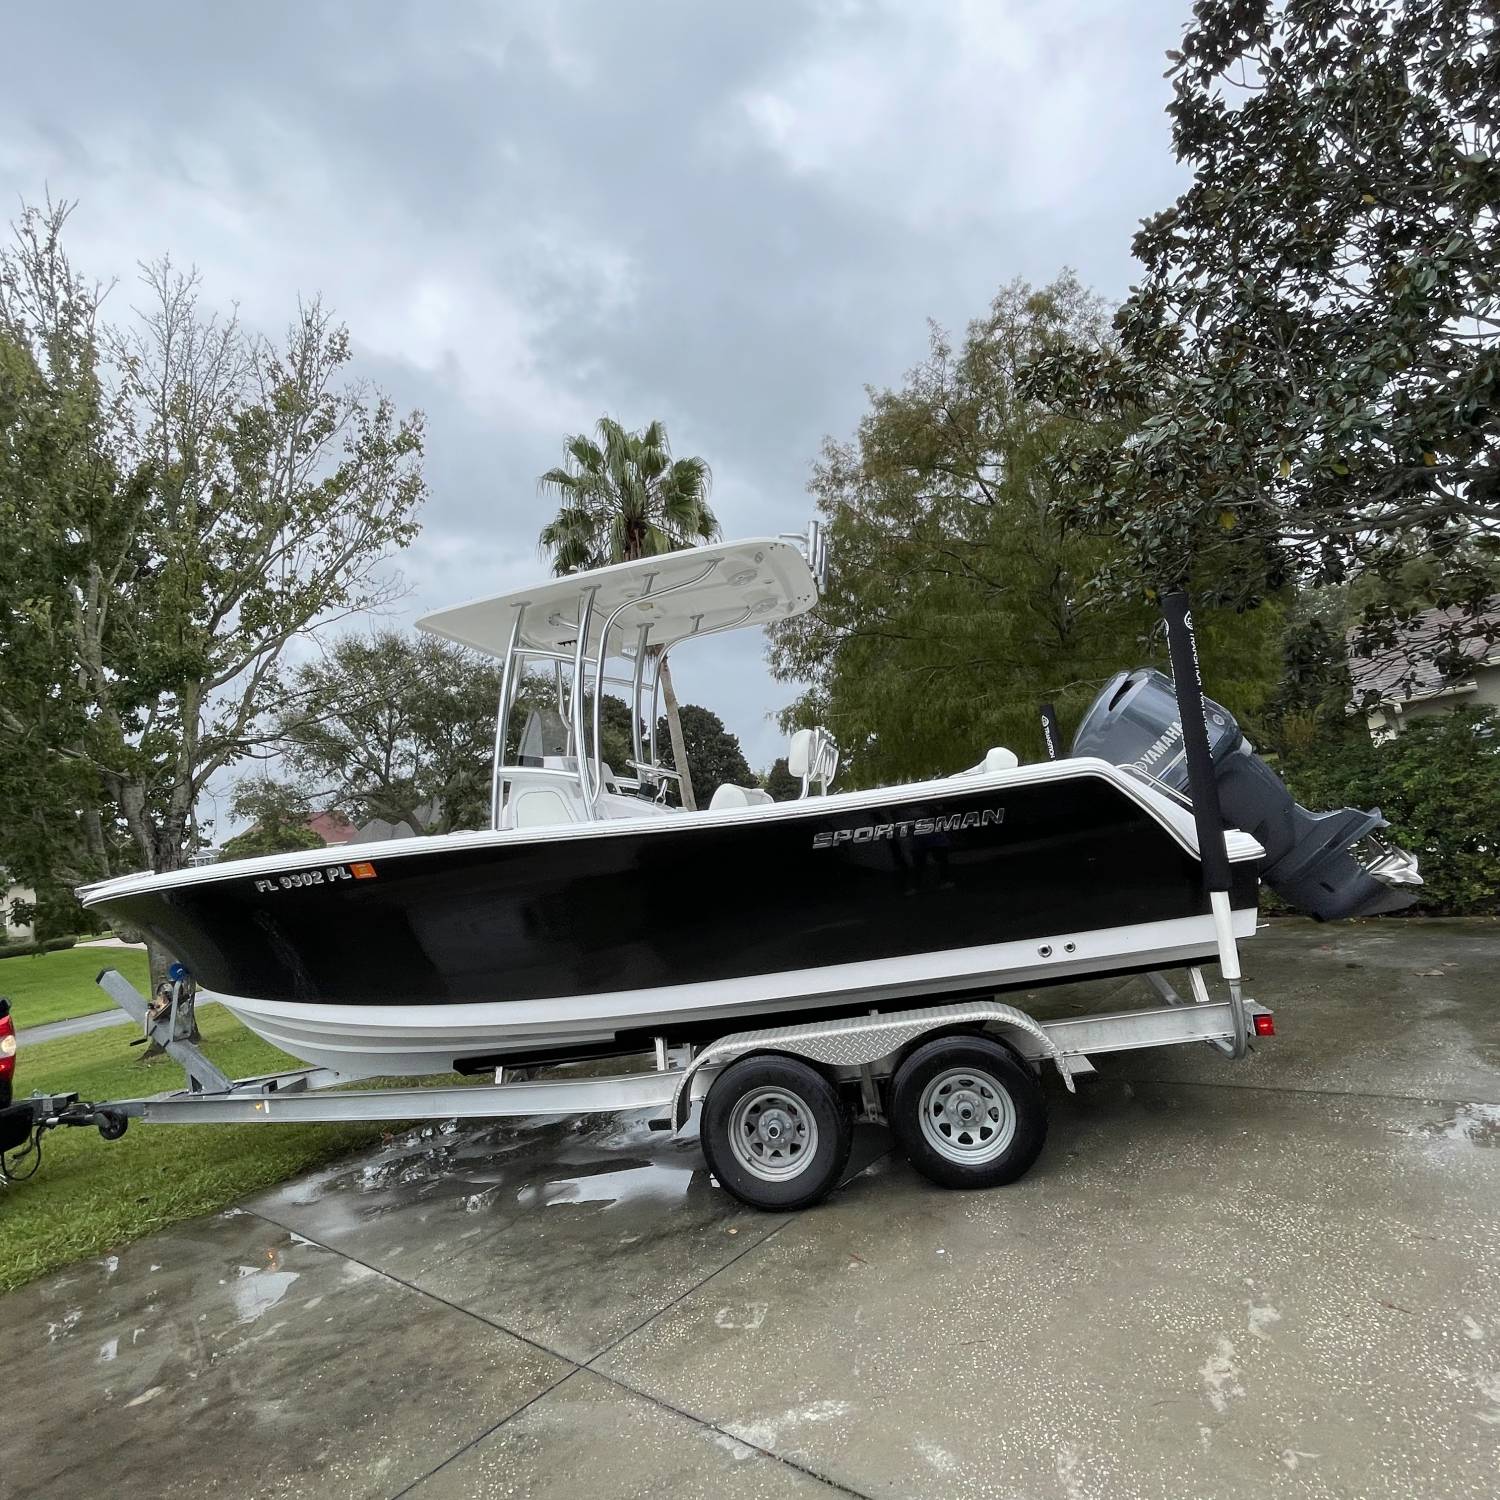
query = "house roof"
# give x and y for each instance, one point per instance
(332, 827)
(1413, 667)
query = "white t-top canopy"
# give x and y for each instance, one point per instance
(680, 594)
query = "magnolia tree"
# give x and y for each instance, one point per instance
(1308, 368)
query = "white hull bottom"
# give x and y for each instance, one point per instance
(365, 1041)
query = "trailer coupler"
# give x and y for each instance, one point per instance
(24, 1125)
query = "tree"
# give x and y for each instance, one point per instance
(616, 743)
(398, 727)
(622, 498)
(958, 596)
(278, 812)
(402, 727)
(714, 756)
(211, 497)
(1311, 352)
(54, 824)
(780, 783)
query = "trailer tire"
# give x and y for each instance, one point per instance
(968, 1112)
(775, 1131)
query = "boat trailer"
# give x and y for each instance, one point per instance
(789, 1094)
(957, 1083)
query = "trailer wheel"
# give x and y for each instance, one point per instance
(967, 1112)
(775, 1132)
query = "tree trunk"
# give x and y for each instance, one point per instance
(160, 960)
(679, 746)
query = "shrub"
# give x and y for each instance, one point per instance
(1438, 782)
(23, 950)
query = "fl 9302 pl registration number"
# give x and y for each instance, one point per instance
(296, 880)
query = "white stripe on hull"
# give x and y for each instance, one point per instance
(364, 1041)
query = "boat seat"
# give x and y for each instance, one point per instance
(540, 807)
(730, 795)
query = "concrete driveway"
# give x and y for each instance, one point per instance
(1280, 1277)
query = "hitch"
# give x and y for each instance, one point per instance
(24, 1124)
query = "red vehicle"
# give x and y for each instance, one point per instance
(15, 1119)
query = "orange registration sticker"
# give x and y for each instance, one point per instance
(363, 870)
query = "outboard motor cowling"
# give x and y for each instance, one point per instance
(1329, 865)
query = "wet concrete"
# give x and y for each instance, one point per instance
(1274, 1277)
(229, 1356)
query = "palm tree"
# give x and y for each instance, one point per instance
(625, 497)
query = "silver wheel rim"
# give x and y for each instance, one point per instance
(967, 1116)
(772, 1134)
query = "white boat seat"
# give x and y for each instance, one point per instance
(730, 795)
(540, 807)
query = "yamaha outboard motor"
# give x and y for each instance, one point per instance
(1329, 865)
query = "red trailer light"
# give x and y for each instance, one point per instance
(1265, 1024)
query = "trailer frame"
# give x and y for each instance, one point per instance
(858, 1052)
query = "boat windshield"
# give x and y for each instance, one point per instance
(546, 733)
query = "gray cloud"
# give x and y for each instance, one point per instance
(732, 218)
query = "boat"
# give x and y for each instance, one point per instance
(593, 916)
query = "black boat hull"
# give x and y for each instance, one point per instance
(477, 944)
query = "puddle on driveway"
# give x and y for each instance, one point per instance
(654, 1182)
(444, 1191)
(1470, 1125)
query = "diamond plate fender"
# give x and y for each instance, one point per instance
(857, 1040)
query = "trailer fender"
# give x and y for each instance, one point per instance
(856, 1041)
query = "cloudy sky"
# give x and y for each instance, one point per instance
(729, 217)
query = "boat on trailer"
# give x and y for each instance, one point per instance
(592, 915)
(787, 967)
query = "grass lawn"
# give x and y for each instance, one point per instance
(45, 987)
(92, 1195)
